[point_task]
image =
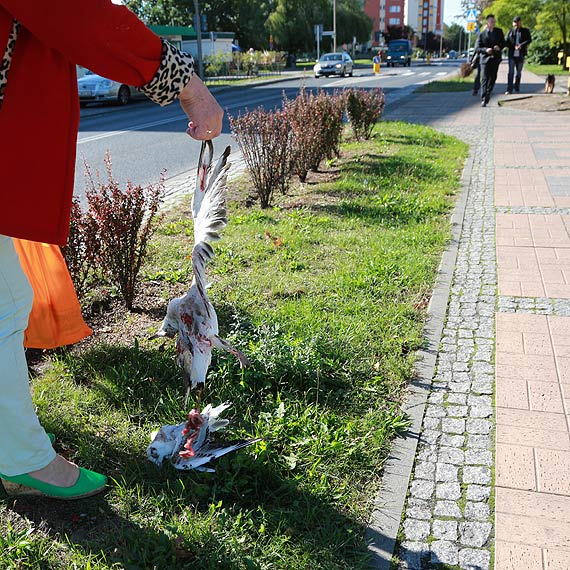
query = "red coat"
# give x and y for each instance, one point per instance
(40, 113)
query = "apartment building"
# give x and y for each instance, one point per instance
(422, 16)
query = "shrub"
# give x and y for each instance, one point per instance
(331, 111)
(264, 139)
(125, 220)
(364, 108)
(82, 249)
(316, 128)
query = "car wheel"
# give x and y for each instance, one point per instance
(351, 72)
(124, 95)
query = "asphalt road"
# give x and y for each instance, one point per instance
(144, 139)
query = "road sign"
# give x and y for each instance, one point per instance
(471, 15)
(318, 29)
(470, 26)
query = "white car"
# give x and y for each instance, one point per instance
(94, 88)
(334, 64)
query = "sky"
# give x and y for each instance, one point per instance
(451, 8)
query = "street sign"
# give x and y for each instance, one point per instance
(318, 29)
(471, 15)
(331, 33)
(471, 26)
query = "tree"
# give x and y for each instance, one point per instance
(163, 12)
(351, 21)
(506, 10)
(452, 36)
(398, 33)
(554, 18)
(291, 22)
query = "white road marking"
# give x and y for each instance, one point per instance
(442, 73)
(142, 126)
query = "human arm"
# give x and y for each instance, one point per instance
(110, 40)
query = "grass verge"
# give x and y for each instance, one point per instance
(326, 293)
(454, 83)
(546, 69)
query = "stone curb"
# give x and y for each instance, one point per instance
(385, 520)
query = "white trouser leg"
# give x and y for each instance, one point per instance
(24, 445)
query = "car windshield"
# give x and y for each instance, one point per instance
(398, 47)
(331, 57)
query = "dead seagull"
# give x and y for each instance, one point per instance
(192, 317)
(190, 445)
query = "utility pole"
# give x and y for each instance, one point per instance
(334, 25)
(198, 28)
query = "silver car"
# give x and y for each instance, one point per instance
(334, 64)
(94, 88)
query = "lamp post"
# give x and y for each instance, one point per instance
(334, 25)
(198, 27)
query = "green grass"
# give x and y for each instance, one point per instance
(454, 83)
(330, 315)
(546, 69)
(213, 82)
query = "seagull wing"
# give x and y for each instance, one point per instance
(211, 217)
(204, 164)
(207, 454)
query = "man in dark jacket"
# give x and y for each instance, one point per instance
(518, 40)
(489, 45)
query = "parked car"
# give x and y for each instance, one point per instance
(399, 52)
(452, 54)
(334, 64)
(94, 88)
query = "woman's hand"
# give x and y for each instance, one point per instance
(202, 109)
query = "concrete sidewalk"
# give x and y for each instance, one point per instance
(491, 481)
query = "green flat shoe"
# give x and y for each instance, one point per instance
(88, 483)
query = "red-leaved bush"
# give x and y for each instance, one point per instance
(264, 139)
(82, 250)
(316, 127)
(126, 220)
(364, 107)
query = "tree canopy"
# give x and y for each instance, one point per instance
(289, 21)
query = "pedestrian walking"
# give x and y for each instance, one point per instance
(518, 40)
(488, 46)
(38, 133)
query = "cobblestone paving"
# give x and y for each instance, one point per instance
(534, 305)
(532, 210)
(448, 518)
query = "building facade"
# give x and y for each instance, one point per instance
(423, 16)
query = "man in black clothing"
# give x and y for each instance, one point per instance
(489, 45)
(518, 39)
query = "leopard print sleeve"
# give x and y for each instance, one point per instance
(173, 74)
(7, 59)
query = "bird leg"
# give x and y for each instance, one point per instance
(199, 391)
(225, 345)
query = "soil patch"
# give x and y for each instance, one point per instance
(538, 103)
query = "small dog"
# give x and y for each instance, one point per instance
(549, 83)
